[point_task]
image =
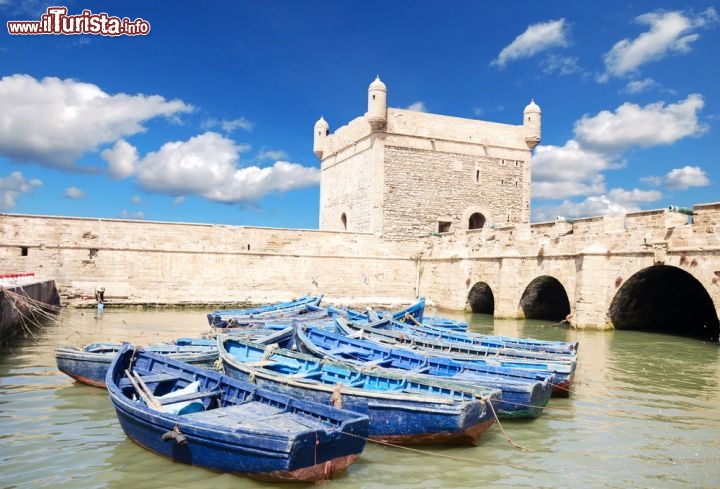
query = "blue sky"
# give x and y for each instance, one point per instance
(209, 118)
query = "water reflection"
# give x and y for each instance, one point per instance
(643, 413)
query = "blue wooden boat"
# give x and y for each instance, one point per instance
(430, 328)
(524, 393)
(90, 363)
(203, 418)
(562, 366)
(415, 312)
(219, 318)
(402, 409)
(419, 333)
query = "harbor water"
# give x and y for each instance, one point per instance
(644, 413)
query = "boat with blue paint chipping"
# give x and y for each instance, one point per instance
(562, 366)
(89, 364)
(524, 393)
(219, 318)
(403, 409)
(473, 343)
(203, 418)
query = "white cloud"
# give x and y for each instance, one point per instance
(74, 193)
(54, 122)
(633, 125)
(418, 106)
(13, 186)
(669, 32)
(139, 215)
(562, 65)
(617, 201)
(121, 159)
(208, 165)
(536, 38)
(136, 199)
(565, 171)
(637, 86)
(272, 154)
(229, 126)
(681, 178)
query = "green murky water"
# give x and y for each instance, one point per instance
(645, 412)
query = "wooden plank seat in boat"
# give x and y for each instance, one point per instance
(151, 379)
(189, 397)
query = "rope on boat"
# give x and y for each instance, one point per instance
(414, 450)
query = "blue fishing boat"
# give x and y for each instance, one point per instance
(203, 418)
(402, 409)
(89, 364)
(431, 328)
(473, 343)
(219, 318)
(524, 393)
(562, 366)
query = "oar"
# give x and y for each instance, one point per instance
(145, 393)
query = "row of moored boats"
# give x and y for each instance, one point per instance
(294, 390)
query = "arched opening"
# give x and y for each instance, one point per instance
(343, 220)
(545, 298)
(476, 221)
(668, 300)
(481, 298)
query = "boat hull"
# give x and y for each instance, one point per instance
(238, 427)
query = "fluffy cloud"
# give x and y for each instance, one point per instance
(13, 186)
(207, 165)
(577, 168)
(229, 126)
(637, 86)
(536, 38)
(54, 122)
(566, 171)
(418, 106)
(272, 154)
(633, 125)
(681, 178)
(617, 201)
(74, 193)
(669, 32)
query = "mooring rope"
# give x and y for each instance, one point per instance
(507, 437)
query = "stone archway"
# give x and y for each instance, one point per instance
(481, 299)
(545, 298)
(665, 299)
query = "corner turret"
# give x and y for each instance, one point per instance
(322, 129)
(377, 104)
(532, 122)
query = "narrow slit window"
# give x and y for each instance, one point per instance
(24, 251)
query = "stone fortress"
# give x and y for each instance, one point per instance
(411, 204)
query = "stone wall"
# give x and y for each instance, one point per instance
(424, 187)
(161, 262)
(176, 263)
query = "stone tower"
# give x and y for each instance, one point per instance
(400, 174)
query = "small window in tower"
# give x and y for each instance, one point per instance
(373, 96)
(444, 227)
(93, 253)
(477, 221)
(477, 176)
(23, 251)
(343, 220)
